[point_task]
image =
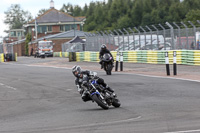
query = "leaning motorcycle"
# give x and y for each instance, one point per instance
(101, 95)
(107, 62)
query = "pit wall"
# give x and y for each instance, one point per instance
(185, 57)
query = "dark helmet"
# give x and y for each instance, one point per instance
(103, 47)
(76, 70)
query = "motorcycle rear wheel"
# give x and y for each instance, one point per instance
(116, 103)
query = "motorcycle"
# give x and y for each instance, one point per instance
(100, 95)
(107, 63)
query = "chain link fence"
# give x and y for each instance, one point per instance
(160, 37)
(73, 47)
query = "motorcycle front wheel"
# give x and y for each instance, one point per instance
(99, 101)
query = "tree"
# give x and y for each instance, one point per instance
(42, 11)
(28, 39)
(193, 16)
(16, 17)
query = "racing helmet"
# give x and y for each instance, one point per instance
(103, 47)
(76, 70)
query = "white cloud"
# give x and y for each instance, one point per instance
(3, 26)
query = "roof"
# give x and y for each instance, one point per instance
(81, 18)
(76, 39)
(55, 16)
(67, 34)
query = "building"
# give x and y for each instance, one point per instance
(54, 25)
(53, 21)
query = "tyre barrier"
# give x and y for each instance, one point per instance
(2, 57)
(185, 57)
(72, 56)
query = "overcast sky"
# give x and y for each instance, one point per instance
(33, 6)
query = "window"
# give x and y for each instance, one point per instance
(13, 33)
(44, 29)
(49, 28)
(19, 33)
(61, 28)
(67, 27)
(39, 30)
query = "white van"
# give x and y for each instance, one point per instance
(45, 48)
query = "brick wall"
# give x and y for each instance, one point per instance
(19, 49)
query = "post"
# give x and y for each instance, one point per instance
(108, 35)
(128, 36)
(121, 61)
(113, 37)
(117, 36)
(186, 31)
(157, 35)
(194, 29)
(164, 34)
(144, 36)
(167, 63)
(117, 61)
(139, 36)
(172, 34)
(179, 34)
(104, 40)
(133, 37)
(123, 37)
(151, 36)
(35, 28)
(174, 62)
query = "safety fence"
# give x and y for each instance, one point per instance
(185, 57)
(168, 36)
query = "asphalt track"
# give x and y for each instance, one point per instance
(37, 98)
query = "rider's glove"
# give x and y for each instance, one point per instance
(78, 87)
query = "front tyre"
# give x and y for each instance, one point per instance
(99, 101)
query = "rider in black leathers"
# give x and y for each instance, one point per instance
(103, 51)
(82, 78)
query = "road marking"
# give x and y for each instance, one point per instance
(10, 87)
(83, 126)
(186, 131)
(161, 77)
(114, 72)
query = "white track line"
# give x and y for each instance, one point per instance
(186, 131)
(10, 87)
(114, 72)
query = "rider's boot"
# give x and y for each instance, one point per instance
(111, 90)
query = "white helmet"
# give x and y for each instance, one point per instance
(76, 70)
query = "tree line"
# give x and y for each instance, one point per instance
(118, 14)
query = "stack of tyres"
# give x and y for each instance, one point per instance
(72, 56)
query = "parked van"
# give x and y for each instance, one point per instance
(45, 48)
